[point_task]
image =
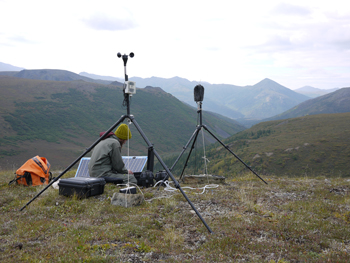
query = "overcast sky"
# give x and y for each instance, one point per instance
(295, 43)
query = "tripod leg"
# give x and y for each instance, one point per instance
(177, 185)
(233, 154)
(189, 154)
(184, 149)
(77, 160)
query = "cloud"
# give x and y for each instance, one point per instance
(290, 9)
(316, 31)
(211, 48)
(102, 21)
(14, 40)
(20, 39)
(276, 43)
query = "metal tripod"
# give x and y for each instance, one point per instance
(150, 146)
(195, 135)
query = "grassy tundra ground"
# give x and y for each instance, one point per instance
(289, 220)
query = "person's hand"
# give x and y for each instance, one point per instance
(130, 172)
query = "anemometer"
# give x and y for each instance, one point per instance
(129, 86)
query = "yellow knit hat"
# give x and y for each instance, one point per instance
(122, 132)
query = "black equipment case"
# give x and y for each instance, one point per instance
(145, 178)
(83, 187)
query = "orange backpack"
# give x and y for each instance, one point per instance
(35, 171)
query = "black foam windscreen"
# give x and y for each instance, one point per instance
(198, 93)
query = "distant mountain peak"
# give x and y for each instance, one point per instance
(267, 81)
(307, 89)
(270, 84)
(153, 89)
(8, 67)
(314, 92)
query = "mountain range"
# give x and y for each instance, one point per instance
(59, 119)
(247, 104)
(262, 100)
(56, 113)
(266, 100)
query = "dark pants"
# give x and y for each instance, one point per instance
(124, 177)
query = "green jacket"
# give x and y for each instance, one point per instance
(106, 158)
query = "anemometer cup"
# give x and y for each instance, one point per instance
(125, 57)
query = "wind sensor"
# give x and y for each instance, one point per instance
(129, 86)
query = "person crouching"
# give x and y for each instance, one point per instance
(106, 159)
